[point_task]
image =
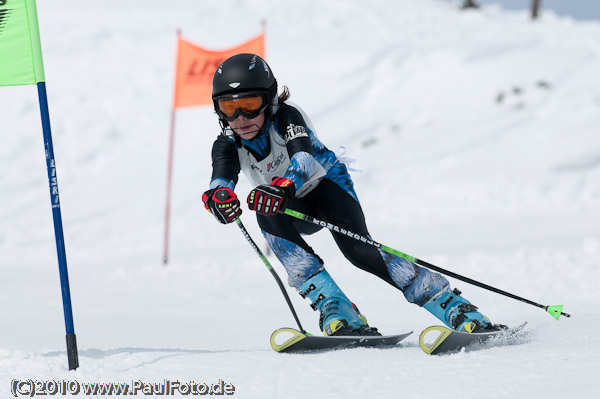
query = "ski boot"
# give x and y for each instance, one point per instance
(338, 316)
(458, 313)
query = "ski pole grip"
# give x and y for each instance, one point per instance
(222, 195)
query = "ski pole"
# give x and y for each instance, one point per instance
(273, 272)
(554, 310)
(223, 196)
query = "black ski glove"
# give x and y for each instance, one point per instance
(223, 204)
(270, 199)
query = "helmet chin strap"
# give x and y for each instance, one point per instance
(227, 130)
(258, 129)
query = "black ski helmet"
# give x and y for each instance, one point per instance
(244, 73)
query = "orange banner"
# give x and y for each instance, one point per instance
(196, 67)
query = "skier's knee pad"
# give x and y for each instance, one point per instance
(298, 262)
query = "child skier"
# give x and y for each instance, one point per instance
(273, 142)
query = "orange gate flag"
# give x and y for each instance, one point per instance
(196, 67)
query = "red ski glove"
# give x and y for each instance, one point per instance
(268, 200)
(223, 204)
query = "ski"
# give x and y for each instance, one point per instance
(450, 341)
(298, 342)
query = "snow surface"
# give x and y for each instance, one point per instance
(482, 128)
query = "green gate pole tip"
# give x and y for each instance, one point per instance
(555, 311)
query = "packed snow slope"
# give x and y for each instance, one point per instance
(477, 134)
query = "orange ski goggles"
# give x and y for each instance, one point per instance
(249, 105)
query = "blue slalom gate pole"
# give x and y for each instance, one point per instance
(58, 228)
